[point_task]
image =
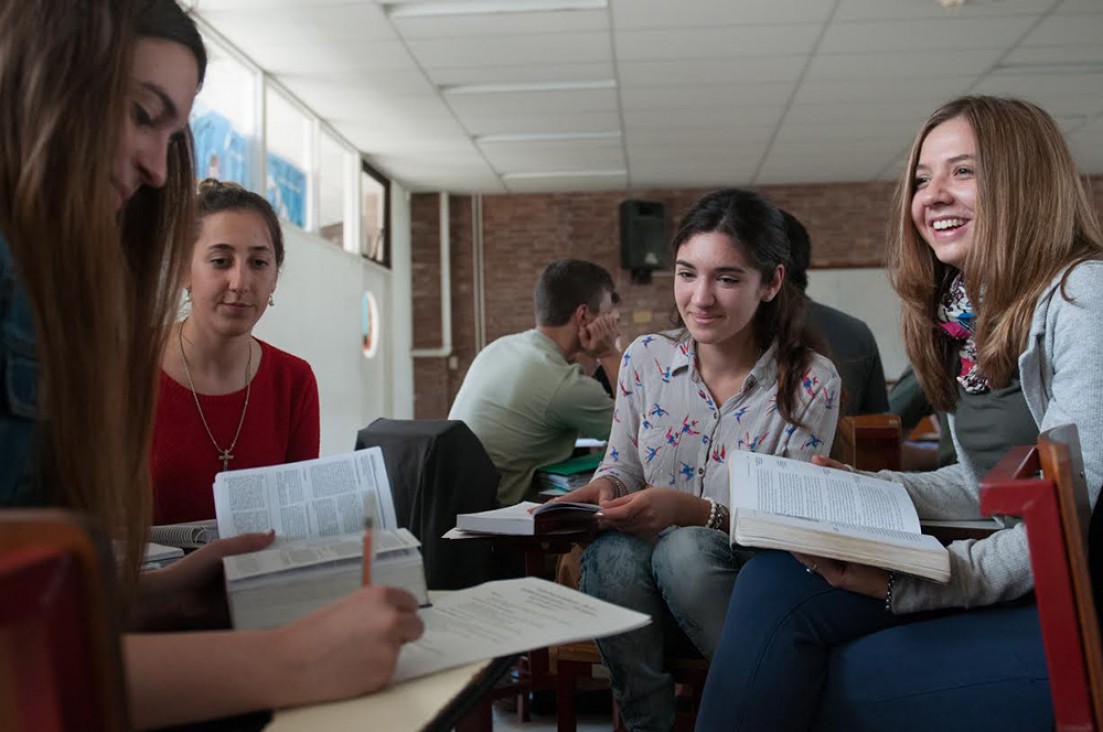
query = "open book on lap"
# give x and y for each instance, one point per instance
(779, 503)
(530, 519)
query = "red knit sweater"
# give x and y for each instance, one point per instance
(281, 426)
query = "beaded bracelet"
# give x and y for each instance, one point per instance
(888, 592)
(711, 523)
(618, 485)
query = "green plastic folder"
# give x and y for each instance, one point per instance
(574, 466)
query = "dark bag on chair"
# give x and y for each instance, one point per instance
(438, 468)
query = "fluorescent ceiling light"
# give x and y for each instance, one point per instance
(548, 136)
(531, 86)
(564, 174)
(439, 8)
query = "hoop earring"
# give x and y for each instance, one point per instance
(271, 302)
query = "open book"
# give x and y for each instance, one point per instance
(778, 503)
(528, 519)
(317, 510)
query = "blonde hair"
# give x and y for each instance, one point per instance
(1033, 219)
(101, 286)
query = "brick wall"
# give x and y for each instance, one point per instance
(521, 233)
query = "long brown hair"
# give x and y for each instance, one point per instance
(1033, 219)
(757, 229)
(101, 285)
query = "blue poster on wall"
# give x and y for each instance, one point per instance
(287, 190)
(220, 151)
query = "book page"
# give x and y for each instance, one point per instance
(507, 617)
(312, 498)
(788, 487)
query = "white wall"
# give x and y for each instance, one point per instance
(865, 294)
(318, 318)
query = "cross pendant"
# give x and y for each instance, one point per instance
(225, 456)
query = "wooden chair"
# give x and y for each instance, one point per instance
(869, 441)
(60, 666)
(1054, 506)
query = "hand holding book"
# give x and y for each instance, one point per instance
(860, 578)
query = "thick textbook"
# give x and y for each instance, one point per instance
(529, 519)
(779, 503)
(316, 508)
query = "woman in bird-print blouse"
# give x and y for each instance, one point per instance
(738, 375)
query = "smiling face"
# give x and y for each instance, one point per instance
(164, 81)
(717, 290)
(233, 272)
(944, 202)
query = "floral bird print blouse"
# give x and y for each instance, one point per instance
(670, 433)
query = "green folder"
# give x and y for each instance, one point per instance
(581, 464)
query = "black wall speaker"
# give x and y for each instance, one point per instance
(643, 236)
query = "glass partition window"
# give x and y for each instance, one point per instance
(289, 135)
(224, 120)
(373, 217)
(335, 161)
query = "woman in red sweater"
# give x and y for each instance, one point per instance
(228, 400)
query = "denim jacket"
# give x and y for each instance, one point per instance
(18, 388)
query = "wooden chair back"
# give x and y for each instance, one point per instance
(869, 441)
(60, 666)
(1045, 486)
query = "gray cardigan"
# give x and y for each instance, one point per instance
(1062, 379)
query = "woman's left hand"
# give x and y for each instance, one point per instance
(860, 578)
(190, 592)
(649, 511)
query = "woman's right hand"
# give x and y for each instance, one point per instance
(595, 491)
(348, 648)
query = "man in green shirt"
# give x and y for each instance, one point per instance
(525, 397)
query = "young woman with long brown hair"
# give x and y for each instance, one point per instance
(96, 216)
(997, 255)
(738, 375)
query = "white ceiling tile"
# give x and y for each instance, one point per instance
(926, 36)
(590, 100)
(341, 58)
(205, 7)
(1079, 6)
(1087, 151)
(737, 117)
(902, 65)
(529, 50)
(709, 13)
(523, 123)
(501, 24)
(1067, 30)
(303, 25)
(750, 70)
(521, 74)
(689, 97)
(716, 42)
(870, 112)
(1061, 56)
(935, 89)
(394, 82)
(666, 178)
(929, 9)
(517, 158)
(1060, 95)
(677, 137)
(566, 184)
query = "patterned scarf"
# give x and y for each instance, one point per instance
(955, 312)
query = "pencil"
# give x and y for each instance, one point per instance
(369, 525)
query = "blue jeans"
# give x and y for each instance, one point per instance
(797, 654)
(682, 580)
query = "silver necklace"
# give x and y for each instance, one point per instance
(228, 454)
